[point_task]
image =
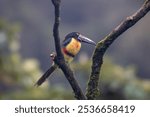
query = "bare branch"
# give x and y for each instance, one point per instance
(103, 45)
(59, 59)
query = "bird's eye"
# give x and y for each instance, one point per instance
(78, 34)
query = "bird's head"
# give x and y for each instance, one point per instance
(79, 37)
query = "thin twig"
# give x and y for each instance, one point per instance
(59, 59)
(103, 45)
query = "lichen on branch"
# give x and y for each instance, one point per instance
(103, 45)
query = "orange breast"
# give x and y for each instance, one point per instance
(73, 48)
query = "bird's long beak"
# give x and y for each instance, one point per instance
(86, 40)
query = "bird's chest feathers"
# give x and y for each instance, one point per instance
(73, 47)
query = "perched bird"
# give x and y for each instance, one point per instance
(70, 48)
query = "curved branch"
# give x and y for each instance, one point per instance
(59, 59)
(103, 45)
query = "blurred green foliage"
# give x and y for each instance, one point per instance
(18, 75)
(117, 82)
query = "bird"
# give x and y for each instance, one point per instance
(70, 47)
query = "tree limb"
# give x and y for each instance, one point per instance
(59, 59)
(103, 45)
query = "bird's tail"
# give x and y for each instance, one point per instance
(46, 75)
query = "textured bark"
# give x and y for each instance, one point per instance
(103, 45)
